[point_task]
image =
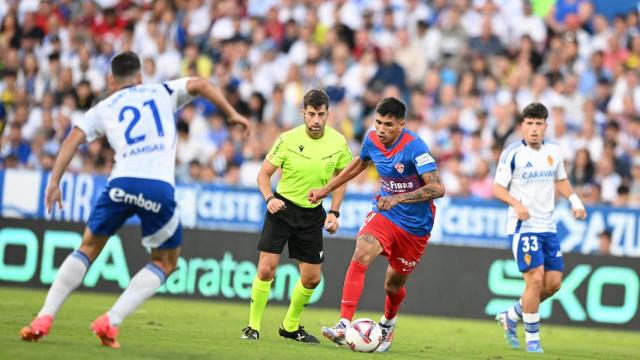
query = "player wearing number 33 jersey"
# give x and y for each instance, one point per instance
(528, 174)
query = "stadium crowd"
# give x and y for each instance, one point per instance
(464, 67)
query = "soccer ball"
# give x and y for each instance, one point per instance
(364, 335)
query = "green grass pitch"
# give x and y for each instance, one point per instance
(170, 328)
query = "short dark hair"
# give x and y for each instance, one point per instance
(534, 111)
(125, 64)
(391, 106)
(315, 98)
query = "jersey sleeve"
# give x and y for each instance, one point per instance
(421, 157)
(345, 155)
(365, 154)
(561, 172)
(91, 124)
(504, 171)
(177, 89)
(277, 153)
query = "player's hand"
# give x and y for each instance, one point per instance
(331, 224)
(387, 202)
(316, 195)
(52, 196)
(238, 119)
(579, 213)
(522, 212)
(275, 205)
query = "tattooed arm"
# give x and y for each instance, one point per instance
(432, 189)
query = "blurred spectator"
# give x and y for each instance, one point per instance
(604, 242)
(465, 69)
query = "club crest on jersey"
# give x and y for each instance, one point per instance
(399, 166)
(550, 160)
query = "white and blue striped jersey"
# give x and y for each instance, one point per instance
(530, 176)
(139, 122)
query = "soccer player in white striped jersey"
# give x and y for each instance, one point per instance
(139, 123)
(527, 176)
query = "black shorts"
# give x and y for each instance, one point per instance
(300, 227)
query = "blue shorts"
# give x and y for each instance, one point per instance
(534, 249)
(152, 200)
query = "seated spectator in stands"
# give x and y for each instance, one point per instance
(487, 43)
(622, 200)
(608, 179)
(634, 187)
(16, 145)
(604, 245)
(583, 170)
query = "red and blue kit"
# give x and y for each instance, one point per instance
(404, 229)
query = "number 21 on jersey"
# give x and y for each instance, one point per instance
(134, 117)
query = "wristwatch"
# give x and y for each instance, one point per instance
(336, 213)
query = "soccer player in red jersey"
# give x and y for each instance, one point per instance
(401, 220)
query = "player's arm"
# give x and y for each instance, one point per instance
(352, 170)
(264, 185)
(67, 150)
(565, 189)
(331, 222)
(502, 193)
(202, 87)
(432, 189)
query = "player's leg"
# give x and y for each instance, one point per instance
(275, 233)
(396, 292)
(533, 280)
(310, 275)
(552, 283)
(260, 290)
(305, 245)
(105, 218)
(528, 254)
(68, 278)
(162, 232)
(143, 285)
(367, 248)
(553, 265)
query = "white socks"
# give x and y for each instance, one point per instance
(515, 312)
(531, 326)
(143, 285)
(69, 277)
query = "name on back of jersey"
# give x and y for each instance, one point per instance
(143, 149)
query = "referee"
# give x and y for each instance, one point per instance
(309, 155)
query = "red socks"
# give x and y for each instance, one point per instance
(392, 303)
(352, 289)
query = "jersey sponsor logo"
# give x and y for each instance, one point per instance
(550, 160)
(396, 186)
(120, 196)
(538, 174)
(399, 166)
(424, 159)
